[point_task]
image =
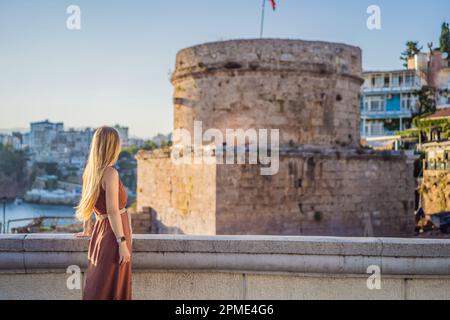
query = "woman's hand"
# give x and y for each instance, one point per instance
(124, 253)
(87, 230)
(83, 234)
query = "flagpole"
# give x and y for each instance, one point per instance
(262, 18)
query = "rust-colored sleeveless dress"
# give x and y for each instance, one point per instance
(105, 278)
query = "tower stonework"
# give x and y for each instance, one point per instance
(326, 184)
(309, 89)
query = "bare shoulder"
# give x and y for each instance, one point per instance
(110, 175)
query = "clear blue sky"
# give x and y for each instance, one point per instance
(115, 69)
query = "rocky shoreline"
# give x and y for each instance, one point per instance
(55, 197)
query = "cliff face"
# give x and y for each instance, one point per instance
(10, 186)
(435, 191)
(12, 173)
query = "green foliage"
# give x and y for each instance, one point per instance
(393, 125)
(426, 99)
(444, 40)
(11, 162)
(133, 204)
(409, 133)
(127, 167)
(149, 145)
(412, 48)
(126, 152)
(129, 180)
(12, 171)
(47, 168)
(443, 125)
(165, 144)
(426, 106)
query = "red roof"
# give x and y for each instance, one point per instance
(444, 113)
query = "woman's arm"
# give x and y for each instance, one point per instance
(87, 229)
(111, 181)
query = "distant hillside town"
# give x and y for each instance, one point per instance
(54, 158)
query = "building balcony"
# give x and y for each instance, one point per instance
(437, 165)
(396, 89)
(386, 114)
(377, 134)
(35, 266)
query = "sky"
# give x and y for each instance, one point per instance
(116, 68)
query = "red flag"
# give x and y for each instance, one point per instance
(274, 5)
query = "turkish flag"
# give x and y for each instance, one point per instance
(274, 5)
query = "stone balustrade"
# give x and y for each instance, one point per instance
(236, 267)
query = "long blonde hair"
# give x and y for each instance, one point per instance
(105, 149)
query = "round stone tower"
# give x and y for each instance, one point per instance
(323, 184)
(309, 90)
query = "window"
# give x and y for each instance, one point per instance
(395, 80)
(408, 102)
(374, 104)
(377, 81)
(387, 81)
(377, 129)
(408, 80)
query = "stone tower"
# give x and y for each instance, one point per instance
(326, 184)
(309, 89)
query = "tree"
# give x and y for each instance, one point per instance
(444, 40)
(12, 171)
(412, 48)
(132, 150)
(426, 100)
(149, 145)
(165, 144)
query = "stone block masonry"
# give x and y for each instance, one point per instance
(340, 194)
(317, 194)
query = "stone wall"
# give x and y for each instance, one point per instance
(236, 267)
(141, 222)
(435, 191)
(334, 194)
(180, 198)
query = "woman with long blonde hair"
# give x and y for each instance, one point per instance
(108, 276)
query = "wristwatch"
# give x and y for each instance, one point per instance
(120, 239)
